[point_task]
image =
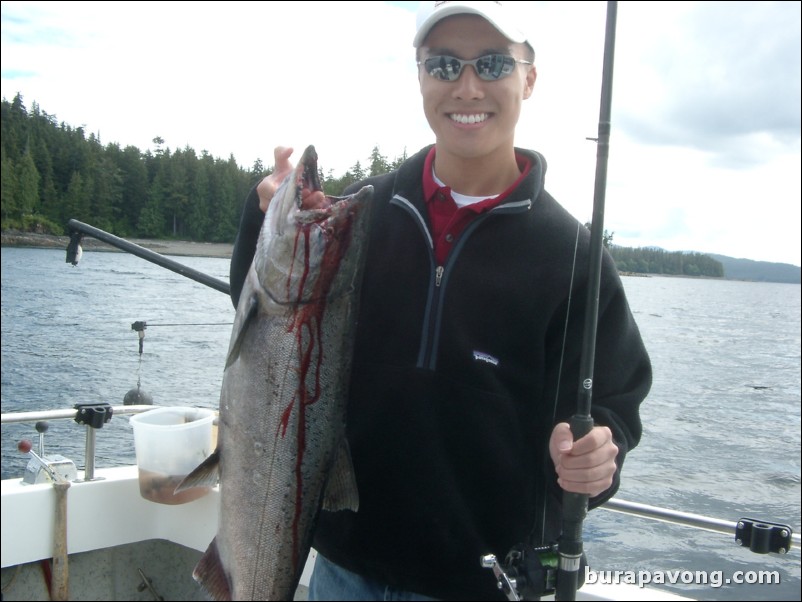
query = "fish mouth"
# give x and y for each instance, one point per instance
(307, 177)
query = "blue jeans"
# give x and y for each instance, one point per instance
(332, 582)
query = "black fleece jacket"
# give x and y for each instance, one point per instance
(460, 373)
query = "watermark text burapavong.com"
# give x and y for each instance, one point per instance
(712, 578)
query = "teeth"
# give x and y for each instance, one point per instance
(466, 119)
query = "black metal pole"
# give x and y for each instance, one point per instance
(575, 505)
(149, 255)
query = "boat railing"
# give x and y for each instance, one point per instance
(93, 416)
(759, 535)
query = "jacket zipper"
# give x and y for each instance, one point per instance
(430, 335)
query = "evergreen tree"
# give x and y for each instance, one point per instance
(200, 200)
(378, 162)
(133, 179)
(49, 198)
(76, 201)
(9, 207)
(27, 185)
(151, 219)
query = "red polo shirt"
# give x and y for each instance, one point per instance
(448, 220)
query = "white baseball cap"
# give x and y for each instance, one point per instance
(499, 16)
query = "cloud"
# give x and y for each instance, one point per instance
(232, 78)
(705, 144)
(721, 77)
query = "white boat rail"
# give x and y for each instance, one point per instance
(12, 417)
(91, 415)
(676, 517)
(689, 519)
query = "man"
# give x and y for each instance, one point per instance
(466, 362)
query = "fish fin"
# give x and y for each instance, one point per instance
(211, 575)
(341, 491)
(206, 474)
(242, 328)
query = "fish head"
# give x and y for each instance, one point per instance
(309, 255)
(289, 195)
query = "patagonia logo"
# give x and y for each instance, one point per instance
(479, 356)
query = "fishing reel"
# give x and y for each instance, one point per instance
(529, 572)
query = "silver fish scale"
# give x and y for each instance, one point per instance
(282, 404)
(265, 546)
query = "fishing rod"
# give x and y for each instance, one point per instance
(78, 229)
(529, 572)
(575, 505)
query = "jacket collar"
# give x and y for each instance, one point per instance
(409, 181)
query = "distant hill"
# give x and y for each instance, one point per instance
(759, 271)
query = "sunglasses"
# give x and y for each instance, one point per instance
(490, 67)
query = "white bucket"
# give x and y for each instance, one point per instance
(170, 443)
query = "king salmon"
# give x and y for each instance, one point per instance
(282, 456)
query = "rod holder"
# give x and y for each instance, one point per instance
(94, 416)
(763, 537)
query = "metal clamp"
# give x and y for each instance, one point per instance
(93, 414)
(763, 537)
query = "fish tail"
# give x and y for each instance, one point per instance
(211, 575)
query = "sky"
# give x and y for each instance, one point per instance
(704, 149)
